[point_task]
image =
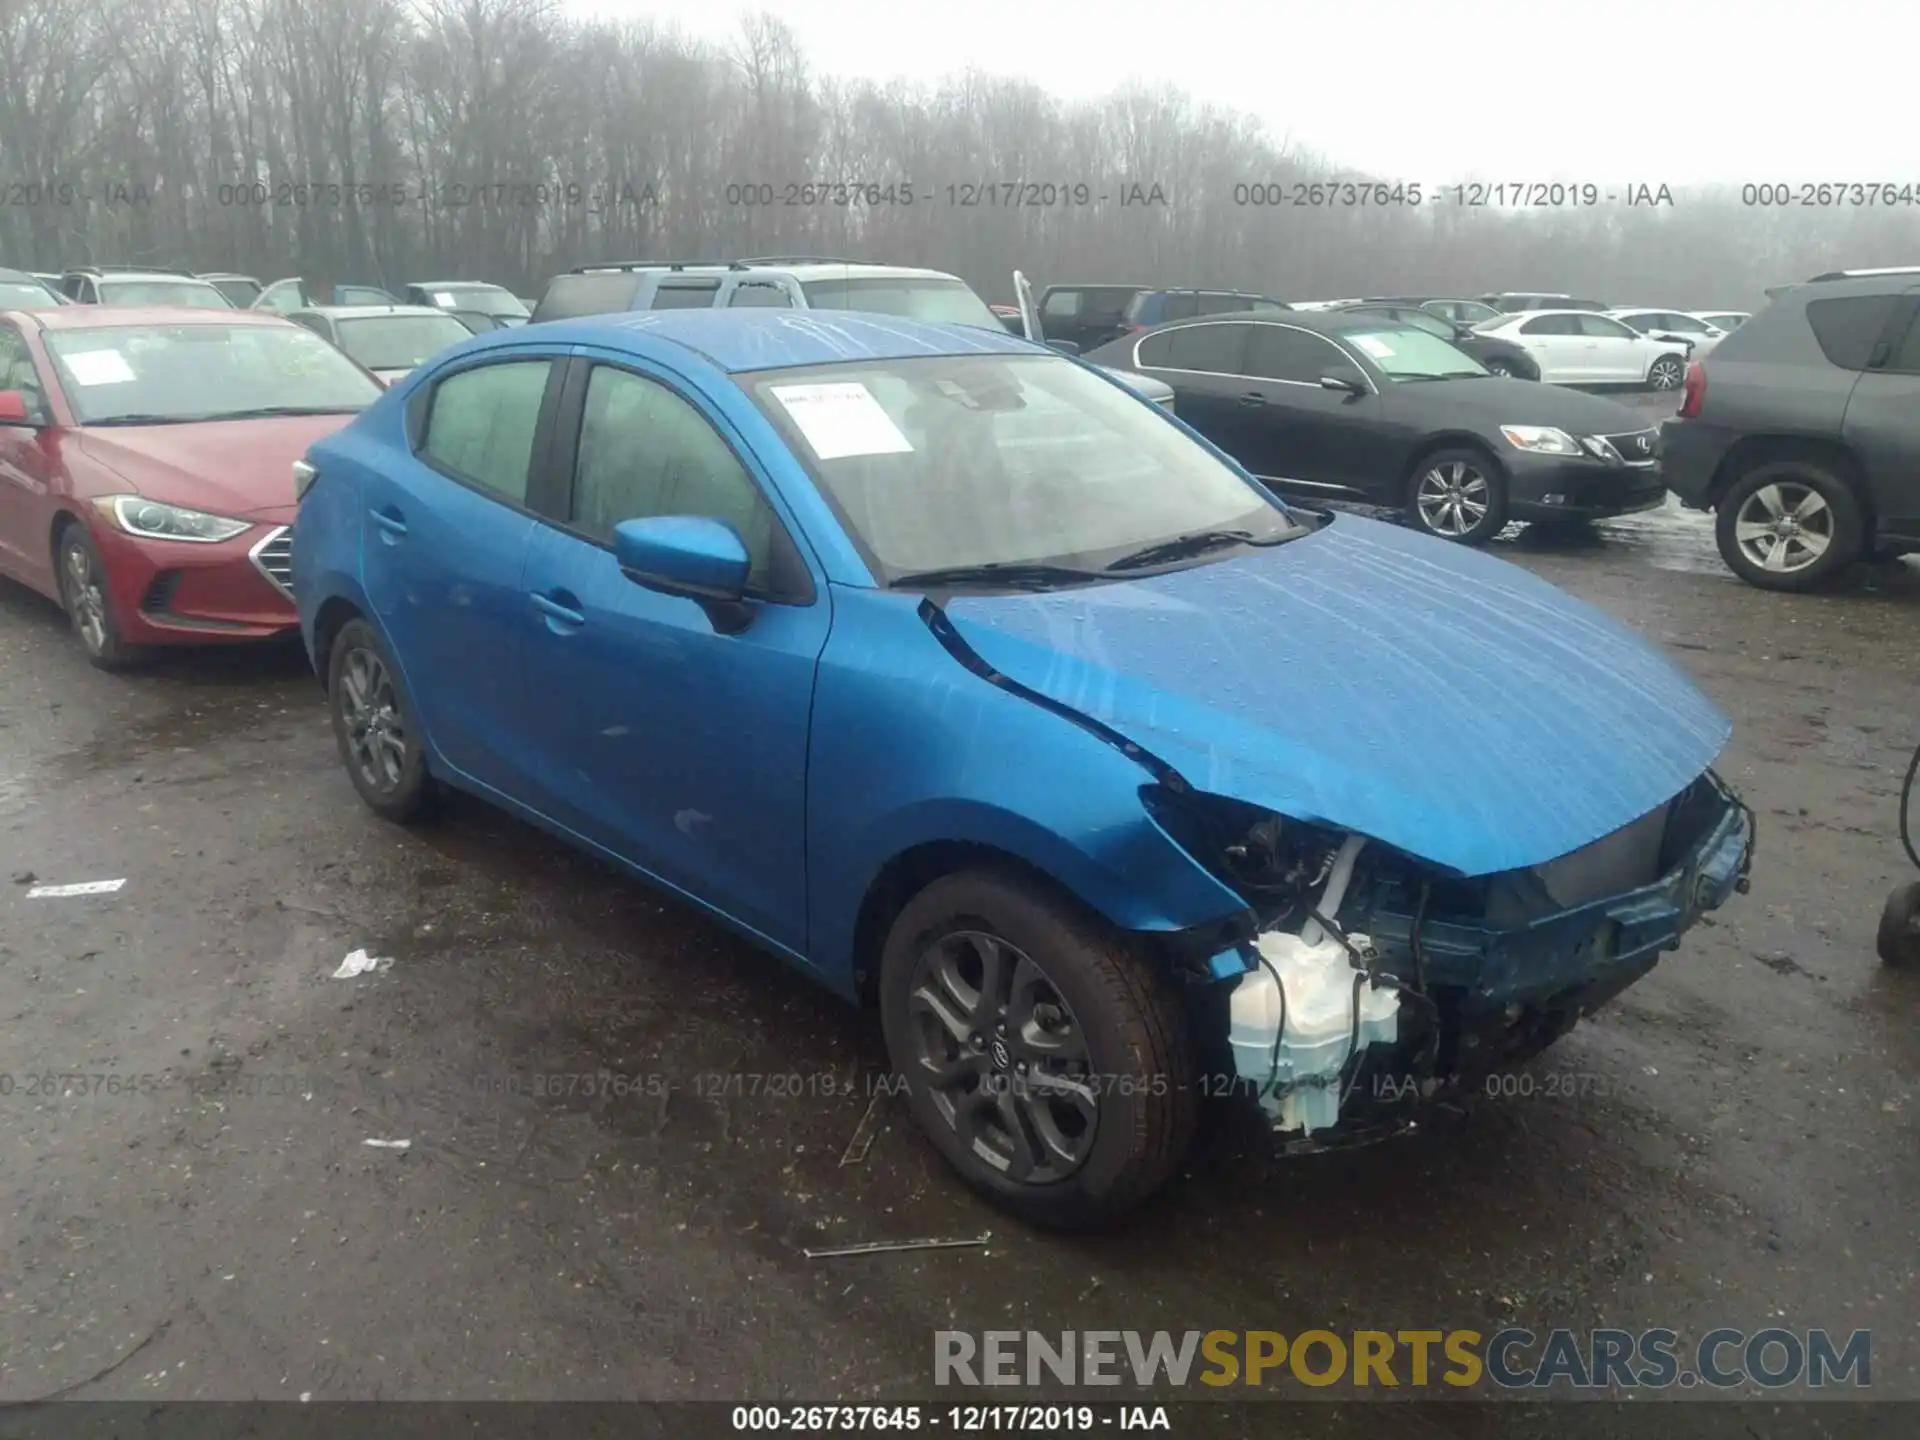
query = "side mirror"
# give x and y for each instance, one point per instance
(13, 409)
(1347, 380)
(692, 556)
(1065, 347)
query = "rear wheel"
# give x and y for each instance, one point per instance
(374, 725)
(1458, 494)
(1045, 1060)
(1899, 938)
(89, 601)
(1790, 525)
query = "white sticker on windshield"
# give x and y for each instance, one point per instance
(842, 419)
(445, 300)
(99, 367)
(1374, 346)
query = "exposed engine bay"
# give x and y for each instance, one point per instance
(1368, 982)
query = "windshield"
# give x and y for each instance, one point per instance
(20, 295)
(237, 288)
(1408, 354)
(489, 299)
(399, 342)
(162, 373)
(947, 301)
(194, 293)
(958, 461)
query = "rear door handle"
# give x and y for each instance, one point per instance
(559, 608)
(1253, 397)
(390, 522)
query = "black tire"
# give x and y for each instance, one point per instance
(1470, 477)
(1771, 493)
(1667, 374)
(371, 714)
(1505, 368)
(88, 598)
(1138, 1105)
(1899, 940)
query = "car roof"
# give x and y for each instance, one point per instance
(801, 270)
(143, 275)
(743, 340)
(1323, 322)
(225, 275)
(102, 317)
(354, 312)
(440, 285)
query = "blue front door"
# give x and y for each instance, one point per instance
(680, 748)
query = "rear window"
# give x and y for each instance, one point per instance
(195, 294)
(685, 295)
(569, 296)
(1849, 327)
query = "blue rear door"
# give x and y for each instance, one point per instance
(446, 527)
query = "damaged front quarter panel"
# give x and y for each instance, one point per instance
(1377, 979)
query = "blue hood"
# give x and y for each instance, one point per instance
(1366, 677)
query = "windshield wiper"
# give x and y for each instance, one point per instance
(1182, 547)
(139, 419)
(1009, 574)
(264, 412)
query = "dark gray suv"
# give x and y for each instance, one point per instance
(1801, 430)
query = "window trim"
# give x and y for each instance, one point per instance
(1365, 373)
(420, 420)
(790, 572)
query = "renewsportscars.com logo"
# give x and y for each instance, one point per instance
(1512, 1359)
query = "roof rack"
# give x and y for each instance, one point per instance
(603, 266)
(1861, 274)
(802, 260)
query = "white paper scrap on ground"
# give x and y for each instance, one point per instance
(359, 963)
(842, 419)
(388, 1144)
(89, 887)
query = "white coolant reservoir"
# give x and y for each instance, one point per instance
(1291, 1025)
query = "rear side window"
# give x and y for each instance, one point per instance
(1906, 355)
(685, 295)
(1848, 327)
(1215, 349)
(482, 424)
(1215, 303)
(1182, 305)
(569, 296)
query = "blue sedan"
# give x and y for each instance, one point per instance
(960, 676)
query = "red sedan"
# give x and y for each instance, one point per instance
(146, 467)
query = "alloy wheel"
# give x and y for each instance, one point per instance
(86, 598)
(1003, 1056)
(376, 730)
(1784, 527)
(1453, 498)
(1666, 374)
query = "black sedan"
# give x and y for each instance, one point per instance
(1349, 406)
(1501, 357)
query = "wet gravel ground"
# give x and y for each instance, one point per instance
(1732, 1142)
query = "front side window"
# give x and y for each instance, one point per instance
(948, 461)
(18, 372)
(1551, 325)
(644, 452)
(170, 374)
(399, 342)
(482, 425)
(196, 294)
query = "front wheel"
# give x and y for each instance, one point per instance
(374, 725)
(88, 598)
(1899, 940)
(1458, 494)
(1503, 368)
(1666, 373)
(1789, 525)
(1043, 1057)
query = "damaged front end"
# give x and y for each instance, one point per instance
(1375, 982)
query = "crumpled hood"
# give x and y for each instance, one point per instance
(1426, 695)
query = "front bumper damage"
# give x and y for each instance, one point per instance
(1375, 985)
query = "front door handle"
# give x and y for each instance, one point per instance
(561, 611)
(1253, 397)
